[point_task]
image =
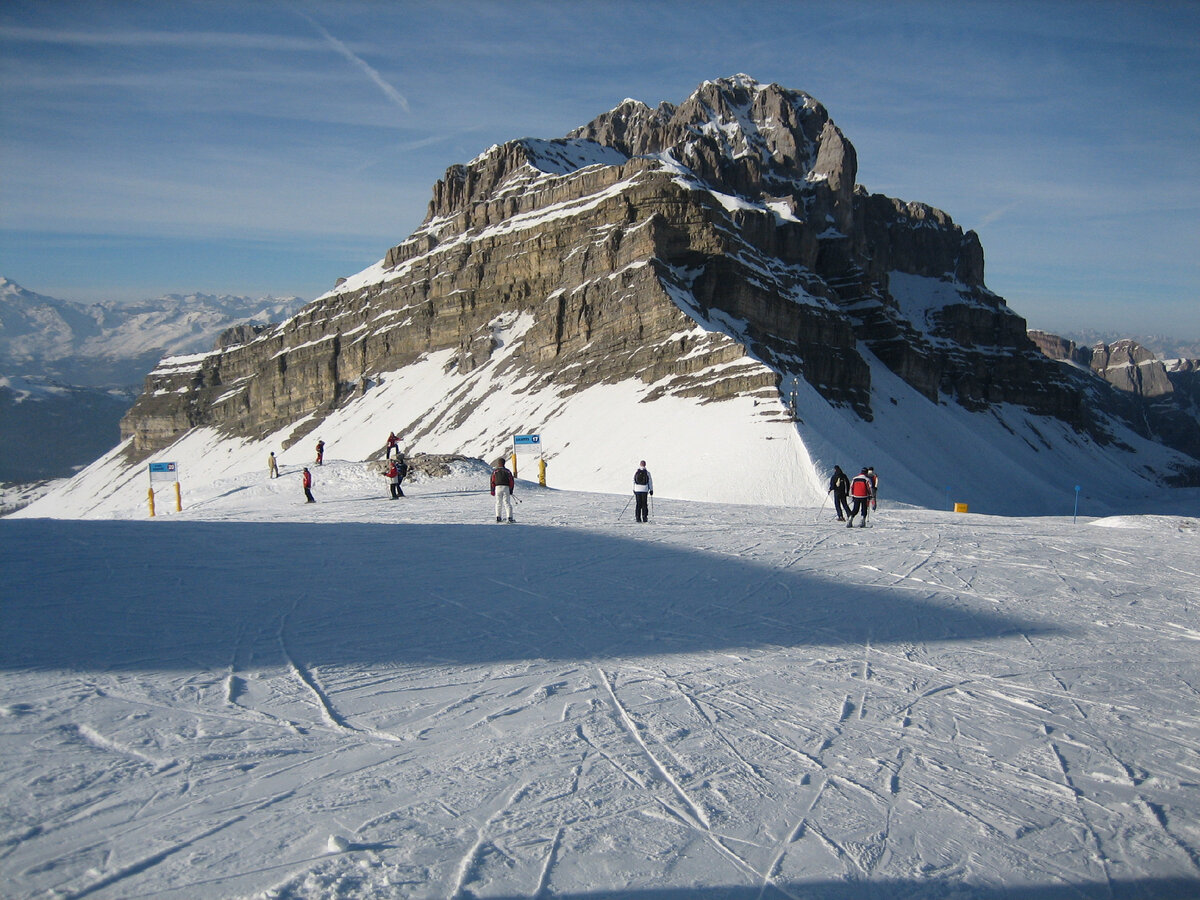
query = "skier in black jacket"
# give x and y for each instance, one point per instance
(839, 485)
(643, 487)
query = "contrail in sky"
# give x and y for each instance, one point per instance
(394, 95)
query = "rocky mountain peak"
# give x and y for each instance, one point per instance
(736, 136)
(735, 131)
(1130, 367)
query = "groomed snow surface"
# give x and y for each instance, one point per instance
(361, 697)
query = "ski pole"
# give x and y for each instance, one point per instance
(625, 507)
(822, 509)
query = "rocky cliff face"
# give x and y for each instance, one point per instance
(1156, 399)
(1131, 368)
(1062, 349)
(714, 249)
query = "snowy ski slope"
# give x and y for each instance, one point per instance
(365, 698)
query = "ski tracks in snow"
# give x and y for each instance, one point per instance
(911, 743)
(466, 869)
(697, 814)
(321, 699)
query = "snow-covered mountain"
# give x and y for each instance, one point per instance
(114, 345)
(703, 286)
(69, 371)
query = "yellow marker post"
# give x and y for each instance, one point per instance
(542, 472)
(514, 462)
(151, 498)
(178, 499)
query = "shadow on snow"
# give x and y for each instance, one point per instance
(151, 596)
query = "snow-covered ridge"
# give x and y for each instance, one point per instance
(560, 157)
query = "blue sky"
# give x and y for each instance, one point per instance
(271, 147)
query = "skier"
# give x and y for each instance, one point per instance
(393, 476)
(393, 443)
(272, 466)
(643, 487)
(320, 453)
(306, 480)
(502, 488)
(860, 493)
(839, 485)
(874, 485)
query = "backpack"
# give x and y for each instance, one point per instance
(501, 477)
(641, 476)
(402, 470)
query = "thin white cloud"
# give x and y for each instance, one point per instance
(996, 214)
(392, 94)
(144, 38)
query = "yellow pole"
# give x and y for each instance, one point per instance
(178, 499)
(542, 472)
(514, 462)
(151, 503)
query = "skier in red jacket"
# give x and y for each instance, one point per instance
(861, 492)
(393, 477)
(306, 479)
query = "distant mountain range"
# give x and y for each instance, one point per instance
(1164, 347)
(69, 370)
(114, 345)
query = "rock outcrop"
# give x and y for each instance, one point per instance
(1060, 348)
(1158, 400)
(714, 249)
(1131, 368)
